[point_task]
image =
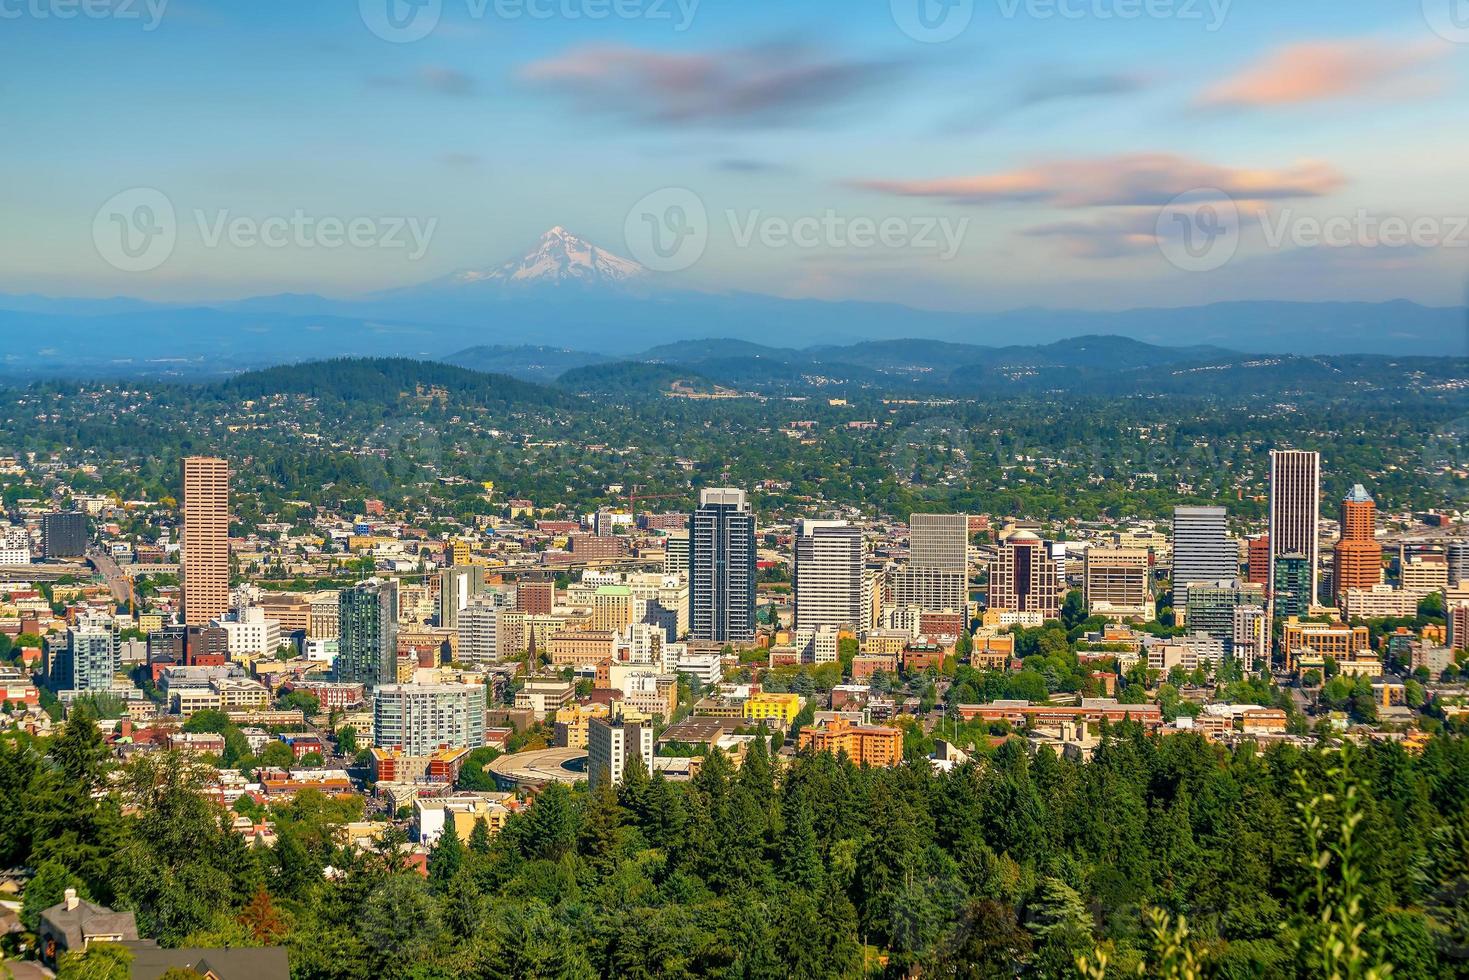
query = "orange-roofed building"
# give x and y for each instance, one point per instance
(865, 745)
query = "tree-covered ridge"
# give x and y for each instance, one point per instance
(1012, 864)
(406, 431)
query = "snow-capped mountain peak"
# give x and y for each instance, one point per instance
(559, 257)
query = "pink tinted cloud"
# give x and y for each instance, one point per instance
(1139, 179)
(1316, 71)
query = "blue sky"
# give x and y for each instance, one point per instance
(1056, 132)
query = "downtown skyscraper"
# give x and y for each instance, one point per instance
(936, 578)
(1203, 551)
(1357, 560)
(1295, 519)
(721, 548)
(830, 559)
(367, 645)
(205, 567)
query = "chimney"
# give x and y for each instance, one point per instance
(71, 899)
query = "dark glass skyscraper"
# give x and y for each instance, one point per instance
(64, 535)
(367, 647)
(722, 567)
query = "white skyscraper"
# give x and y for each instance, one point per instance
(828, 581)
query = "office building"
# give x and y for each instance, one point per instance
(1424, 574)
(458, 586)
(367, 647)
(1357, 561)
(64, 535)
(936, 577)
(1023, 577)
(1202, 549)
(1117, 583)
(1257, 565)
(419, 719)
(829, 579)
(612, 608)
(478, 630)
(205, 566)
(676, 553)
(1295, 518)
(1211, 606)
(1291, 581)
(535, 597)
(616, 740)
(721, 566)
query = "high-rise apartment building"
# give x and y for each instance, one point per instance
(458, 586)
(418, 719)
(936, 577)
(64, 535)
(89, 660)
(1457, 555)
(1117, 583)
(1202, 549)
(1250, 645)
(1295, 517)
(1357, 561)
(616, 740)
(1023, 577)
(367, 645)
(721, 565)
(478, 629)
(830, 580)
(1211, 606)
(205, 568)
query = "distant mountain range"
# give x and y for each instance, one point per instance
(595, 305)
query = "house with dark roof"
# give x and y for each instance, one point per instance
(268, 963)
(76, 923)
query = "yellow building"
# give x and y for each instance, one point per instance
(459, 552)
(767, 706)
(574, 721)
(612, 608)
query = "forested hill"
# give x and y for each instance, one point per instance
(385, 380)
